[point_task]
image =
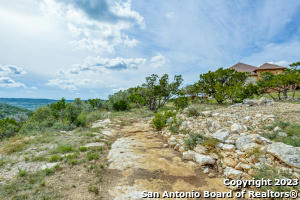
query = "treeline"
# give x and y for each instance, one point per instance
(221, 86)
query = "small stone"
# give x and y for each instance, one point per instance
(206, 171)
(203, 159)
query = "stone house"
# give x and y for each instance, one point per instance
(255, 72)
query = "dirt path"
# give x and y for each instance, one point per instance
(138, 162)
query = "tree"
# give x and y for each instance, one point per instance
(158, 90)
(295, 73)
(280, 83)
(224, 84)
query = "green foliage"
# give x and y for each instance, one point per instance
(193, 139)
(181, 102)
(92, 156)
(280, 83)
(210, 143)
(95, 103)
(292, 131)
(192, 111)
(121, 105)
(175, 124)
(9, 127)
(160, 119)
(272, 173)
(7, 110)
(226, 84)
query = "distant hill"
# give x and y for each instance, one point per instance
(30, 104)
(10, 111)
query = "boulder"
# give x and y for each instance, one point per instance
(221, 134)
(245, 143)
(200, 149)
(233, 173)
(188, 155)
(228, 147)
(286, 153)
(237, 128)
(203, 159)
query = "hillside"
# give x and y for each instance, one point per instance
(9, 110)
(27, 103)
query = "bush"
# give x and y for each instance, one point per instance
(121, 105)
(192, 111)
(272, 173)
(9, 127)
(93, 116)
(82, 119)
(175, 124)
(181, 102)
(193, 139)
(292, 130)
(160, 119)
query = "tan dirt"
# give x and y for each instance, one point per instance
(138, 162)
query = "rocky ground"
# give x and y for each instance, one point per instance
(119, 157)
(241, 148)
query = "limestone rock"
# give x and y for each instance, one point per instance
(221, 134)
(203, 159)
(232, 173)
(188, 155)
(286, 153)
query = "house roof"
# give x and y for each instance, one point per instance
(242, 67)
(269, 66)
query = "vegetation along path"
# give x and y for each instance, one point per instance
(138, 162)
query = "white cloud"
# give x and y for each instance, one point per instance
(103, 30)
(158, 61)
(7, 82)
(95, 72)
(11, 70)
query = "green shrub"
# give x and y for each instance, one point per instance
(55, 158)
(9, 127)
(181, 102)
(268, 172)
(160, 119)
(210, 144)
(92, 156)
(292, 130)
(93, 116)
(192, 111)
(193, 139)
(82, 119)
(121, 105)
(175, 124)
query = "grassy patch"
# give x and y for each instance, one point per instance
(272, 173)
(63, 149)
(28, 186)
(92, 156)
(55, 158)
(292, 131)
(14, 144)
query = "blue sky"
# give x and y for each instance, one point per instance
(92, 48)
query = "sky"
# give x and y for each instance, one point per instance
(93, 48)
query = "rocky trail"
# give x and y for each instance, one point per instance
(139, 162)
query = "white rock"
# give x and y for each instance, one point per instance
(221, 134)
(232, 173)
(200, 149)
(237, 128)
(228, 147)
(282, 134)
(206, 171)
(203, 159)
(188, 155)
(286, 153)
(277, 128)
(95, 144)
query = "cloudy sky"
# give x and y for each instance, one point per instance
(92, 48)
